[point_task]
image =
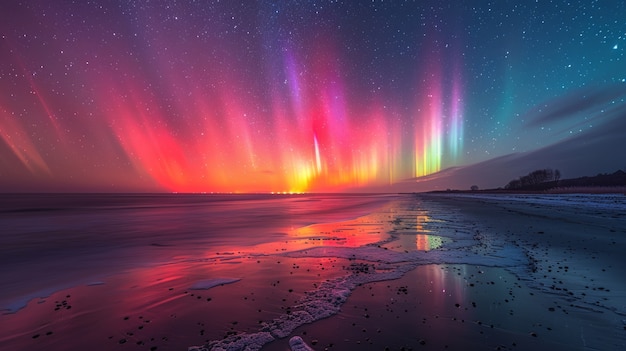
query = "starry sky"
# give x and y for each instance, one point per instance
(293, 96)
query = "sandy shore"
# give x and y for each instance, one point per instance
(577, 262)
(427, 272)
(575, 251)
(570, 295)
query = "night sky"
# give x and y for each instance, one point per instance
(229, 96)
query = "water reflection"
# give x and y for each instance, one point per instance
(358, 232)
(145, 257)
(422, 241)
(122, 266)
(412, 229)
(155, 307)
(421, 220)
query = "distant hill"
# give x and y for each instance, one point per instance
(616, 179)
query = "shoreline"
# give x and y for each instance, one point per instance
(575, 251)
(451, 307)
(423, 272)
(569, 296)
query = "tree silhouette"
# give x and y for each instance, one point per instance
(535, 179)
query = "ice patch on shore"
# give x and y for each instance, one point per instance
(18, 304)
(615, 202)
(208, 284)
(10, 307)
(297, 344)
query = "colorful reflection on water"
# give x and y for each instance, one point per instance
(412, 229)
(420, 222)
(427, 242)
(123, 272)
(114, 270)
(156, 307)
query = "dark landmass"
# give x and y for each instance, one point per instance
(603, 181)
(615, 179)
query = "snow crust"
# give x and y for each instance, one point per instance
(297, 344)
(593, 201)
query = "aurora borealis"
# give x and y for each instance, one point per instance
(288, 96)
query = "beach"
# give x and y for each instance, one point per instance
(397, 272)
(575, 245)
(567, 294)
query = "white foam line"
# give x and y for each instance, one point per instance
(297, 344)
(321, 303)
(328, 298)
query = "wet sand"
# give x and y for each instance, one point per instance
(452, 307)
(570, 294)
(425, 272)
(173, 302)
(575, 251)
(157, 308)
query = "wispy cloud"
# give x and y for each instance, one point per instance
(587, 100)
